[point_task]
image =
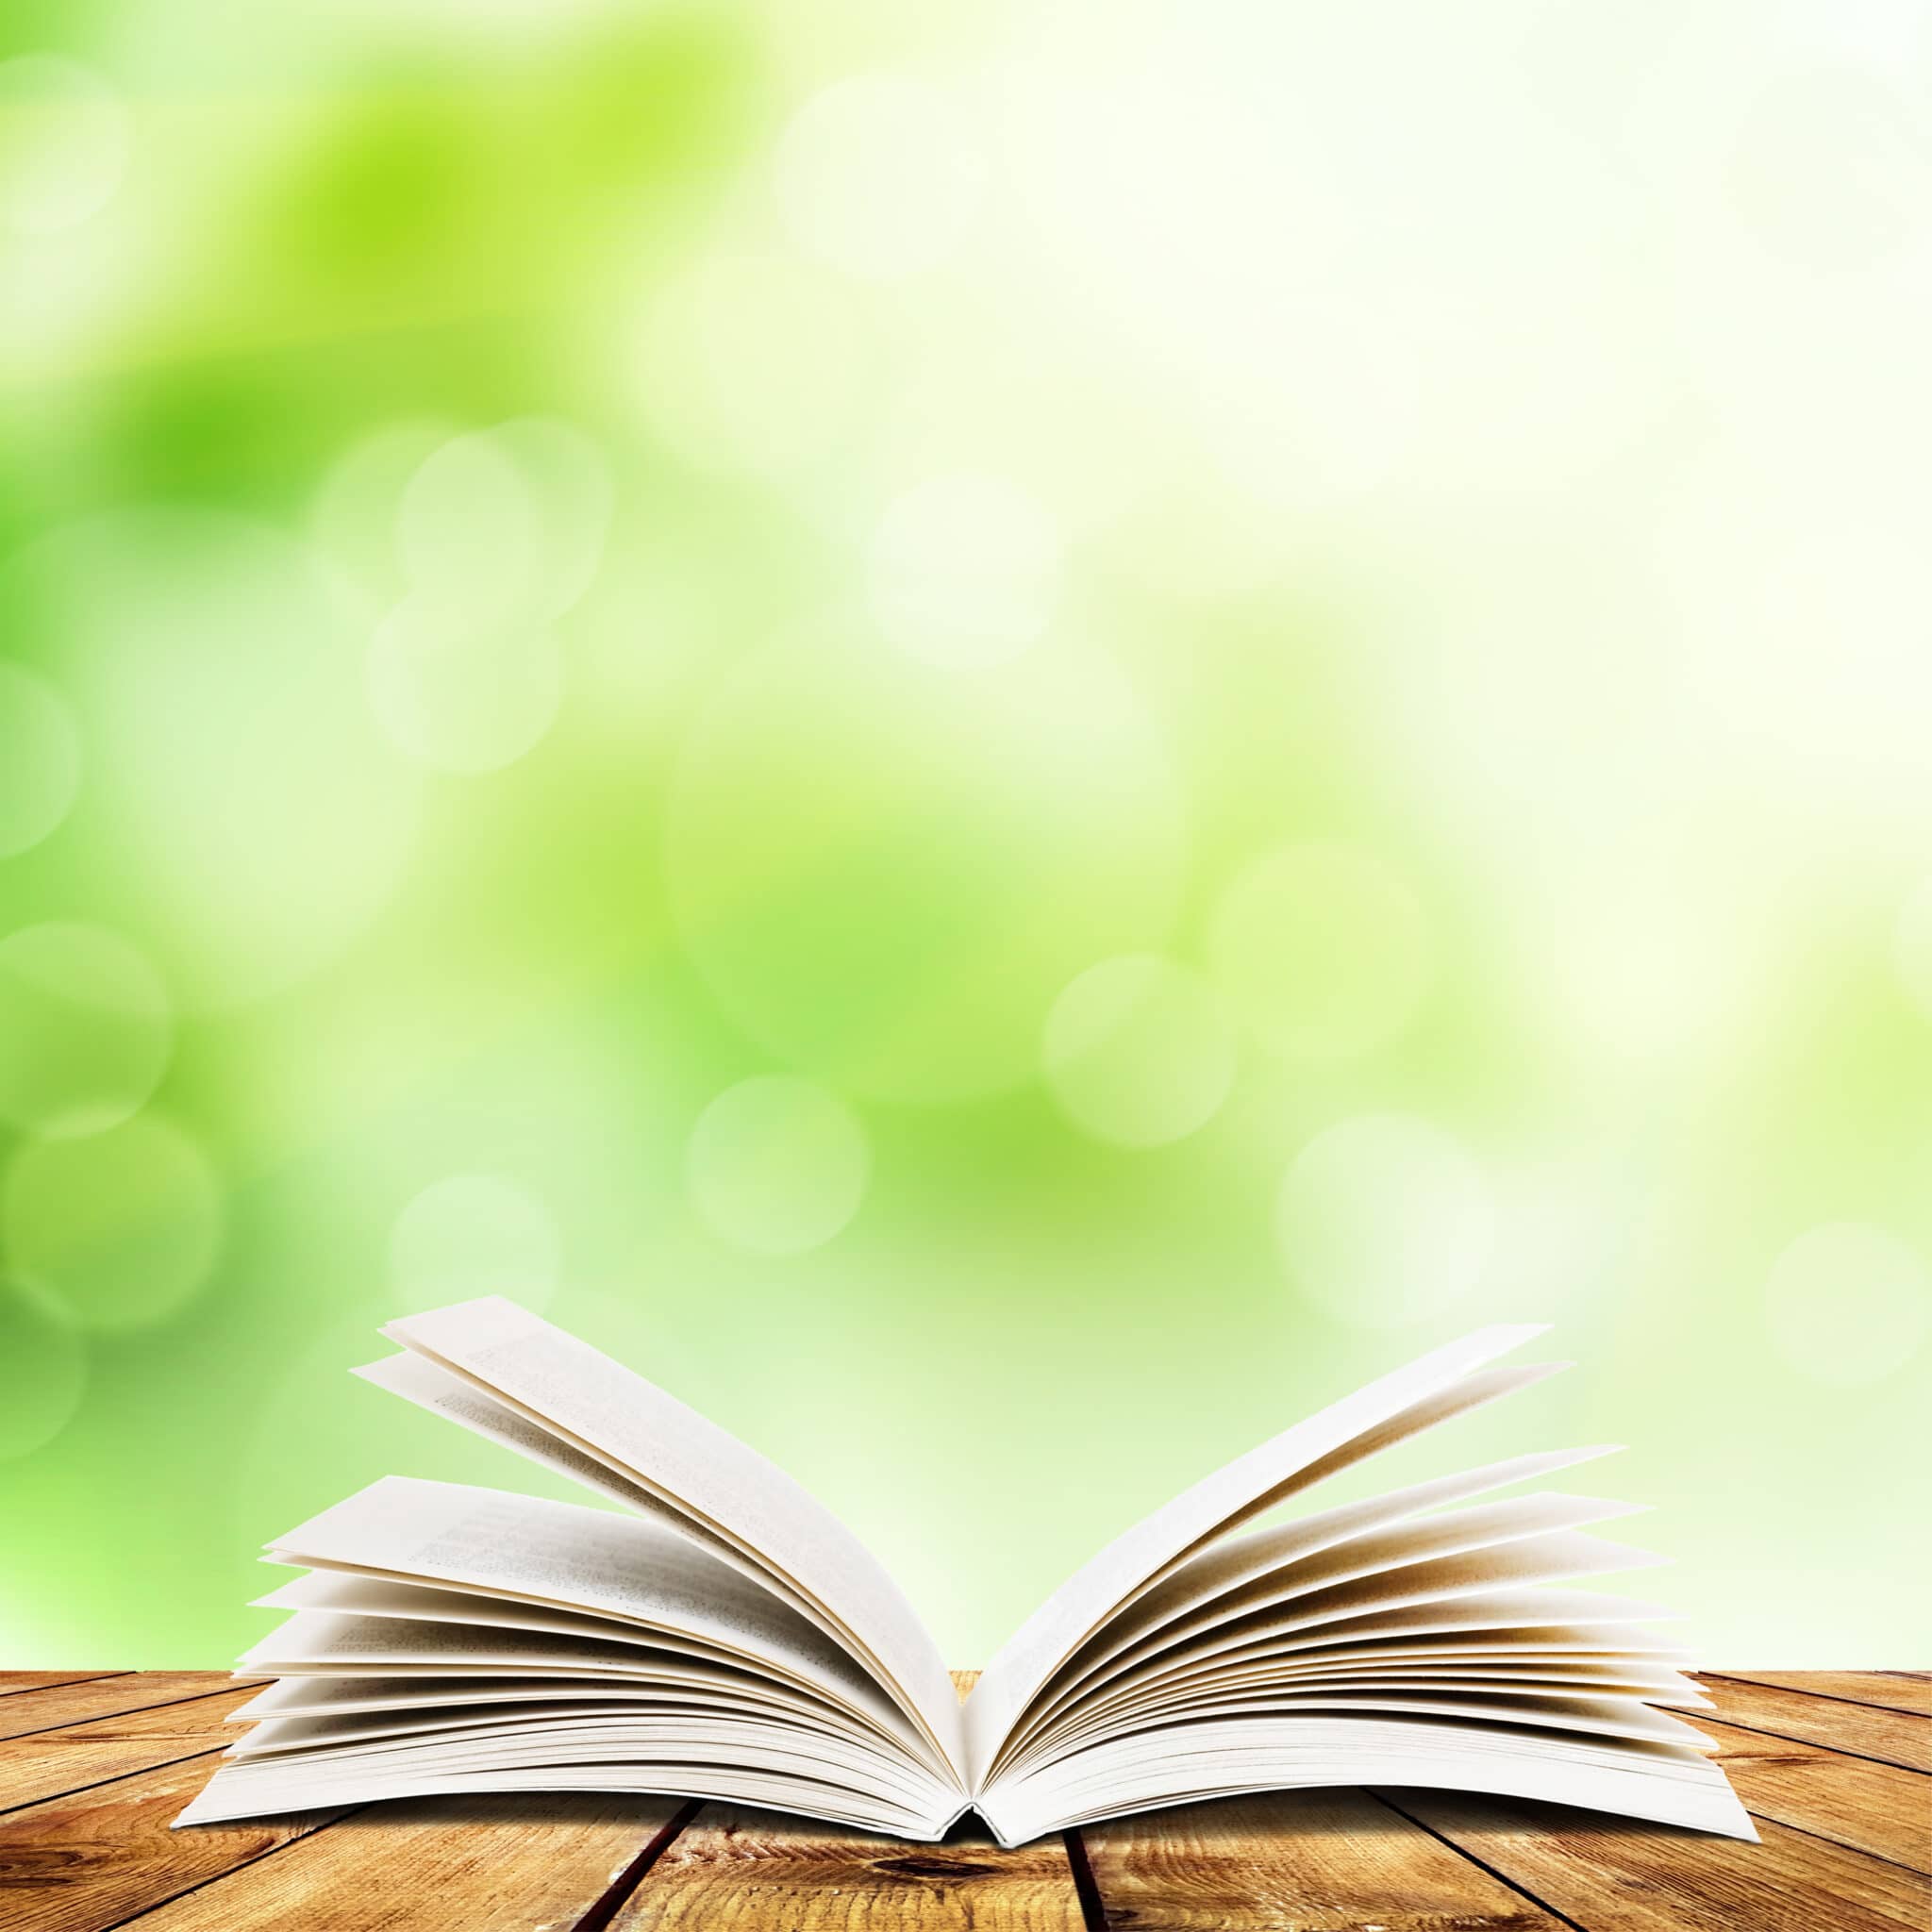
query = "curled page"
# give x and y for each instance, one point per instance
(705, 1472)
(1234, 1493)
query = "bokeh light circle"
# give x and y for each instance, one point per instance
(42, 1369)
(64, 143)
(1138, 1051)
(458, 690)
(572, 496)
(507, 523)
(776, 1165)
(239, 791)
(755, 361)
(473, 1234)
(878, 176)
(122, 1227)
(467, 528)
(39, 759)
(962, 569)
(353, 514)
(1848, 1304)
(1385, 1220)
(886, 872)
(1912, 947)
(85, 1028)
(1322, 948)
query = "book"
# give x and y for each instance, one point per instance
(719, 1634)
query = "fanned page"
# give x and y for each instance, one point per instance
(724, 1491)
(1243, 1489)
(1411, 1639)
(725, 1636)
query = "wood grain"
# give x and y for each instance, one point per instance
(502, 1863)
(50, 1762)
(739, 1870)
(1289, 1860)
(1852, 1801)
(98, 1767)
(1894, 1737)
(1909, 1690)
(1614, 1877)
(11, 1681)
(90, 1859)
(76, 1703)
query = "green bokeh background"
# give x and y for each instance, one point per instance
(1009, 737)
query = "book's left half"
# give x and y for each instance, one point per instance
(447, 1639)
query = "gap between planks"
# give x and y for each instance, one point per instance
(625, 1901)
(1854, 1729)
(13, 1682)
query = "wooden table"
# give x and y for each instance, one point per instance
(1836, 1765)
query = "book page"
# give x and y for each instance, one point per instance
(1644, 1778)
(1332, 1566)
(580, 1394)
(353, 1593)
(1529, 1531)
(320, 1693)
(578, 1559)
(419, 1380)
(1358, 1425)
(349, 1593)
(279, 1736)
(1211, 1578)
(272, 1787)
(632, 1738)
(1434, 1582)
(1217, 1688)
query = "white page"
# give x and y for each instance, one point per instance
(1631, 1777)
(319, 1693)
(528, 1364)
(633, 1742)
(1243, 1687)
(1601, 1717)
(347, 1594)
(318, 1640)
(1432, 1628)
(277, 1737)
(1532, 1559)
(1233, 1691)
(580, 1559)
(1606, 1667)
(1554, 1611)
(273, 1790)
(1316, 1564)
(1211, 1580)
(1241, 1489)
(364, 1593)
(351, 1594)
(418, 1380)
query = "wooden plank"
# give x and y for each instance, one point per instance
(1908, 1690)
(740, 1870)
(73, 1704)
(501, 1864)
(89, 1859)
(1894, 1737)
(50, 1762)
(1288, 1861)
(1612, 1876)
(11, 1681)
(1871, 1807)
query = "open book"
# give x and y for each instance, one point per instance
(722, 1634)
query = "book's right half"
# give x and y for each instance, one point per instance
(1435, 1635)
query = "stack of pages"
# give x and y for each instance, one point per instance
(722, 1634)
